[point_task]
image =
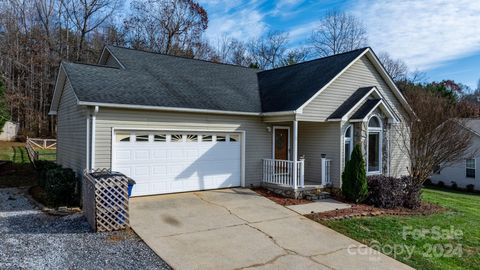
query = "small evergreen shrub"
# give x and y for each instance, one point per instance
(391, 192)
(60, 186)
(441, 184)
(470, 187)
(43, 166)
(354, 177)
(385, 192)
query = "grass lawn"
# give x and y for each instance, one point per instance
(20, 172)
(428, 252)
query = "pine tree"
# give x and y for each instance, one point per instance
(354, 177)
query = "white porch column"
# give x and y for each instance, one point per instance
(295, 153)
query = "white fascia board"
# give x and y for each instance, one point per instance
(385, 109)
(332, 80)
(176, 109)
(57, 92)
(390, 82)
(360, 103)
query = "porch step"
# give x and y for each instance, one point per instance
(319, 196)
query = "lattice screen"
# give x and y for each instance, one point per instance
(105, 200)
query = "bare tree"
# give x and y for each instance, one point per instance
(232, 51)
(436, 138)
(338, 32)
(397, 69)
(167, 26)
(87, 15)
(268, 51)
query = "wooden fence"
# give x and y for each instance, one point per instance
(41, 148)
(105, 200)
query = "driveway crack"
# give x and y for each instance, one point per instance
(219, 205)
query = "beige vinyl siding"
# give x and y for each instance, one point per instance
(71, 131)
(315, 139)
(258, 139)
(361, 74)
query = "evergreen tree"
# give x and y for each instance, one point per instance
(354, 177)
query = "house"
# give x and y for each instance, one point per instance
(175, 124)
(463, 172)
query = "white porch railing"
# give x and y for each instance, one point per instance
(281, 172)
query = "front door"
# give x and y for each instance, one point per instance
(281, 143)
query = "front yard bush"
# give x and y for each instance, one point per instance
(391, 192)
(60, 186)
(470, 187)
(43, 166)
(354, 177)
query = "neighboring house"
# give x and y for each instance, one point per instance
(464, 172)
(175, 124)
(9, 131)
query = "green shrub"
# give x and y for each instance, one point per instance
(60, 186)
(354, 177)
(43, 166)
(454, 185)
(470, 187)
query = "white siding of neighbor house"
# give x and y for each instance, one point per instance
(71, 131)
(258, 139)
(361, 74)
(457, 172)
(315, 139)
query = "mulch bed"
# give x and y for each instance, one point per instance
(362, 210)
(278, 198)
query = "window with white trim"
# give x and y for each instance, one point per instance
(374, 146)
(470, 168)
(348, 143)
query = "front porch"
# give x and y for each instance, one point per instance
(302, 158)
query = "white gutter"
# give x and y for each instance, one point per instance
(175, 109)
(88, 143)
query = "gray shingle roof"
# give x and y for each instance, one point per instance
(367, 107)
(350, 102)
(152, 79)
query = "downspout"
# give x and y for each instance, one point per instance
(88, 167)
(93, 141)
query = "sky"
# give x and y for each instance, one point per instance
(438, 37)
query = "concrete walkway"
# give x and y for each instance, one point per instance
(318, 206)
(238, 229)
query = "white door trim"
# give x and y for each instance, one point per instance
(241, 132)
(273, 140)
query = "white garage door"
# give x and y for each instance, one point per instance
(166, 162)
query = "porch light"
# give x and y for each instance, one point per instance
(269, 129)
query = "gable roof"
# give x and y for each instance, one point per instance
(365, 109)
(287, 88)
(350, 103)
(156, 81)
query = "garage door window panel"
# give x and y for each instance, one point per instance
(221, 138)
(142, 138)
(176, 138)
(234, 138)
(123, 137)
(207, 138)
(192, 138)
(160, 138)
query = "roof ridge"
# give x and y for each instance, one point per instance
(316, 59)
(89, 64)
(184, 57)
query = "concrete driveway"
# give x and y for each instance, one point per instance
(238, 229)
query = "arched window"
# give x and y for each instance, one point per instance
(374, 146)
(348, 143)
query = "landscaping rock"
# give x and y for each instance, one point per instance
(33, 240)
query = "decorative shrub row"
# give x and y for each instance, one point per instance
(453, 185)
(60, 184)
(391, 192)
